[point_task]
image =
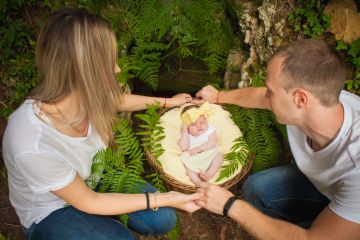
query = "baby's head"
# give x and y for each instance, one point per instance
(195, 118)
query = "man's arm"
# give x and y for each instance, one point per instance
(249, 97)
(327, 226)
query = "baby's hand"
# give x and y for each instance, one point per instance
(194, 151)
(184, 128)
(203, 176)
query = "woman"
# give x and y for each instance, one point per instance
(52, 137)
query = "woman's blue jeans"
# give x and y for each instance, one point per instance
(285, 193)
(69, 223)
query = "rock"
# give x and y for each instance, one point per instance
(265, 28)
(345, 20)
(232, 74)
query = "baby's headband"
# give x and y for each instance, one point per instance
(193, 114)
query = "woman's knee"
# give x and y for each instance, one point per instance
(153, 223)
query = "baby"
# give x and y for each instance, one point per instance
(198, 142)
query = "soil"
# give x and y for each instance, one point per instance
(199, 225)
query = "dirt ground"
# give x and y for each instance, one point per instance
(200, 225)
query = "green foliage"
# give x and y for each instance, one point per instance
(152, 33)
(353, 57)
(18, 72)
(151, 134)
(4, 238)
(235, 158)
(308, 18)
(119, 169)
(261, 135)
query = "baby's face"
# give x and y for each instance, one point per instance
(198, 127)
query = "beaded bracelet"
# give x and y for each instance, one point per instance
(155, 202)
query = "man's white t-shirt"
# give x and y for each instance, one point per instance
(40, 159)
(335, 170)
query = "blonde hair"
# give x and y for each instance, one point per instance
(76, 53)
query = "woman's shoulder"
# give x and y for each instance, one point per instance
(21, 131)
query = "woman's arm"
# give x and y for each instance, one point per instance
(80, 196)
(131, 102)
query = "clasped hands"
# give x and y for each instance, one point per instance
(208, 196)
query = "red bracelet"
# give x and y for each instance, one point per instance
(164, 106)
(217, 97)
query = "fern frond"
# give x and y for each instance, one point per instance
(235, 158)
(260, 131)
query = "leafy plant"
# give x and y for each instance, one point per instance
(17, 68)
(261, 135)
(153, 33)
(151, 133)
(2, 237)
(119, 169)
(235, 158)
(353, 57)
(308, 18)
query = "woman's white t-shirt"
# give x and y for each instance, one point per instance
(335, 170)
(39, 159)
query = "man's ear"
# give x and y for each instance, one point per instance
(301, 97)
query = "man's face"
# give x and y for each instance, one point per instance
(198, 127)
(281, 101)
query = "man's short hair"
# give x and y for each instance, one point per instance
(314, 66)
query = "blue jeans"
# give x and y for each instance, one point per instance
(69, 223)
(285, 193)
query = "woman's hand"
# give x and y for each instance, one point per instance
(178, 99)
(185, 202)
(213, 198)
(207, 93)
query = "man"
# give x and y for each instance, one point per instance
(319, 197)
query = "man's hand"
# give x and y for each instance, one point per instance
(208, 93)
(214, 197)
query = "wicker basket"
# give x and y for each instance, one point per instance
(174, 184)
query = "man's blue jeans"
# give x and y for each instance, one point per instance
(285, 193)
(69, 223)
